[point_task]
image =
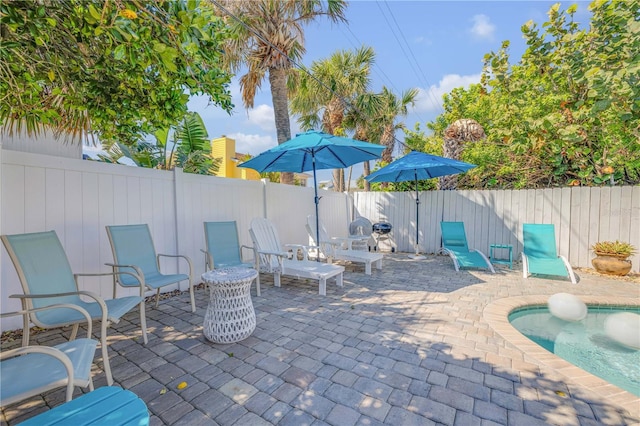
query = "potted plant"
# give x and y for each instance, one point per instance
(612, 257)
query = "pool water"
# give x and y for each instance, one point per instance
(583, 343)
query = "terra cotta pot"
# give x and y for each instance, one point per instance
(611, 265)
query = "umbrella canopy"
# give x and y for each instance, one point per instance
(314, 150)
(418, 166)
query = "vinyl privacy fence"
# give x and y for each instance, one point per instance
(79, 198)
(582, 216)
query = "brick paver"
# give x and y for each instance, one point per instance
(408, 345)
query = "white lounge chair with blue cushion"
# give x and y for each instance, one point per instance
(32, 370)
(47, 279)
(223, 249)
(134, 252)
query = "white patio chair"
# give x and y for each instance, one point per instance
(337, 248)
(274, 258)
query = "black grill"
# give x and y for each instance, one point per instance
(382, 228)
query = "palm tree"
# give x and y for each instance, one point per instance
(361, 119)
(392, 107)
(455, 136)
(270, 35)
(186, 145)
(323, 97)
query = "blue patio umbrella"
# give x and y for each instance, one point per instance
(314, 150)
(418, 166)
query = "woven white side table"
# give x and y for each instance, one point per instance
(230, 316)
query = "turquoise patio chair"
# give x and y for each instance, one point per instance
(454, 243)
(539, 255)
(32, 370)
(47, 279)
(134, 252)
(223, 249)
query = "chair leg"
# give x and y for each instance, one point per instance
(74, 332)
(157, 296)
(143, 322)
(105, 352)
(90, 384)
(25, 330)
(367, 268)
(323, 287)
(193, 297)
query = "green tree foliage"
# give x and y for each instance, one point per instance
(186, 145)
(568, 113)
(116, 69)
(268, 34)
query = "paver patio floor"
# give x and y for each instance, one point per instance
(408, 345)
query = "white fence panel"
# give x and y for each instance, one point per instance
(288, 208)
(581, 216)
(79, 198)
(213, 199)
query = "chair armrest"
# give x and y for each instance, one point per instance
(100, 274)
(274, 253)
(56, 306)
(208, 259)
(179, 256)
(94, 296)
(49, 351)
(138, 275)
(300, 248)
(245, 247)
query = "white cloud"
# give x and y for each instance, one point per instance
(426, 99)
(263, 117)
(252, 144)
(482, 27)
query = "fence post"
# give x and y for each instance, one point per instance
(180, 217)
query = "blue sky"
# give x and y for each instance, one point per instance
(434, 46)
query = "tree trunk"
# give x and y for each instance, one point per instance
(279, 97)
(455, 136)
(387, 139)
(366, 172)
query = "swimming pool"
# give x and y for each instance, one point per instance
(583, 343)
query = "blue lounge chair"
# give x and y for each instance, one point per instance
(539, 255)
(31, 370)
(223, 249)
(47, 279)
(134, 252)
(454, 243)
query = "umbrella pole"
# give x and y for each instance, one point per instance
(417, 256)
(317, 201)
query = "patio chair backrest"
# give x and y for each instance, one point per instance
(133, 245)
(454, 236)
(311, 230)
(42, 266)
(265, 238)
(539, 241)
(222, 243)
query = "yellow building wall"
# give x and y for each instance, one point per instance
(225, 149)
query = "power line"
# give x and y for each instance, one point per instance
(292, 61)
(415, 60)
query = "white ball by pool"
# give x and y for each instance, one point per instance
(567, 307)
(624, 328)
